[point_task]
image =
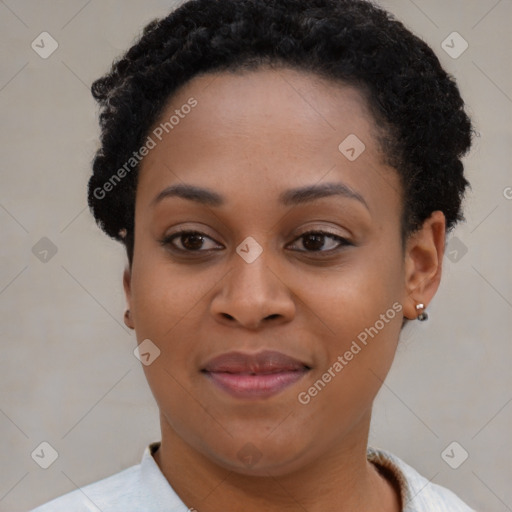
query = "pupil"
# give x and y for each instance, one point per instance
(315, 245)
(193, 246)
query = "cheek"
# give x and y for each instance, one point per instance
(361, 308)
(353, 298)
(358, 350)
(165, 295)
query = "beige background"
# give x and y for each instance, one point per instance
(68, 374)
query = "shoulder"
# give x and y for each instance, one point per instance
(99, 496)
(418, 493)
(139, 487)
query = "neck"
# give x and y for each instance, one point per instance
(340, 481)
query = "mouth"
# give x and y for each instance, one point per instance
(254, 376)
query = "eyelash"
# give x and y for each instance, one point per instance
(343, 242)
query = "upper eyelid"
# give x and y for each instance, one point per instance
(167, 238)
(341, 240)
(202, 233)
(324, 232)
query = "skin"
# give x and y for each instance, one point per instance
(252, 136)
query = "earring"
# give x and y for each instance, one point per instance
(422, 315)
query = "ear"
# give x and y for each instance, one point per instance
(423, 263)
(127, 281)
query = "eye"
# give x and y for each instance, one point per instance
(315, 241)
(188, 241)
(194, 241)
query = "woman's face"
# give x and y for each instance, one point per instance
(220, 307)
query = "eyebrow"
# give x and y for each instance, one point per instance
(293, 196)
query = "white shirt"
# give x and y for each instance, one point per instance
(144, 488)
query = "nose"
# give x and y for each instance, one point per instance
(253, 295)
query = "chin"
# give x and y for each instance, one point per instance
(261, 459)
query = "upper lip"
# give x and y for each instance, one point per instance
(267, 361)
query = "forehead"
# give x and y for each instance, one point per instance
(266, 102)
(263, 131)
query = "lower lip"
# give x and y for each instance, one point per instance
(255, 386)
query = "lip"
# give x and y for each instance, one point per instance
(253, 376)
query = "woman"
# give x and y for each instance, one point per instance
(282, 175)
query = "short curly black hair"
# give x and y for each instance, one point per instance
(415, 102)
